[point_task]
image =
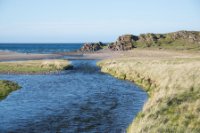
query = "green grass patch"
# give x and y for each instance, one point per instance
(166, 43)
(34, 66)
(7, 87)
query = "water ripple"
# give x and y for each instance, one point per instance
(73, 101)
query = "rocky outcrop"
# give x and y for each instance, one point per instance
(191, 36)
(174, 40)
(127, 42)
(149, 38)
(124, 42)
(185, 38)
(91, 47)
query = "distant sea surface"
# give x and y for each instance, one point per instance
(40, 47)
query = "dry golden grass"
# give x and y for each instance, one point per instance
(33, 66)
(172, 81)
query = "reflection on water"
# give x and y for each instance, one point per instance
(79, 100)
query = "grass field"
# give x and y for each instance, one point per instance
(34, 66)
(172, 81)
(7, 87)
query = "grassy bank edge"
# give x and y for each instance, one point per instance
(150, 85)
(6, 87)
(34, 66)
(144, 83)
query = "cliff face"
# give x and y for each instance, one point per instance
(175, 40)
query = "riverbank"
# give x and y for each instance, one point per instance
(6, 87)
(171, 79)
(33, 66)
(82, 96)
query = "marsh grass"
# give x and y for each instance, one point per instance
(7, 87)
(173, 85)
(34, 66)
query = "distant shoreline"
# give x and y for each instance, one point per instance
(97, 55)
(12, 56)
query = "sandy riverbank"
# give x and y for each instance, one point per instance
(7, 55)
(101, 54)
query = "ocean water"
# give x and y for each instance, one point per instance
(40, 47)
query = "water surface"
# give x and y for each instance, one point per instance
(44, 48)
(79, 100)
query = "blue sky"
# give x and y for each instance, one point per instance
(93, 20)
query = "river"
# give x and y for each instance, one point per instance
(78, 100)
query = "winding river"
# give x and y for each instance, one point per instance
(79, 100)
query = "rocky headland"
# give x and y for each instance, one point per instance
(181, 40)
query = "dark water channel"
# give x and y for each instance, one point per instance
(79, 100)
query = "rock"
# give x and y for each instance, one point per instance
(191, 36)
(150, 37)
(124, 42)
(127, 42)
(91, 47)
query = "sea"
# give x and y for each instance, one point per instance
(42, 48)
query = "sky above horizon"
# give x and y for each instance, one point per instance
(61, 21)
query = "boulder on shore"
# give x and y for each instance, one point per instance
(91, 47)
(124, 42)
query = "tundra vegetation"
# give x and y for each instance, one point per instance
(172, 81)
(34, 66)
